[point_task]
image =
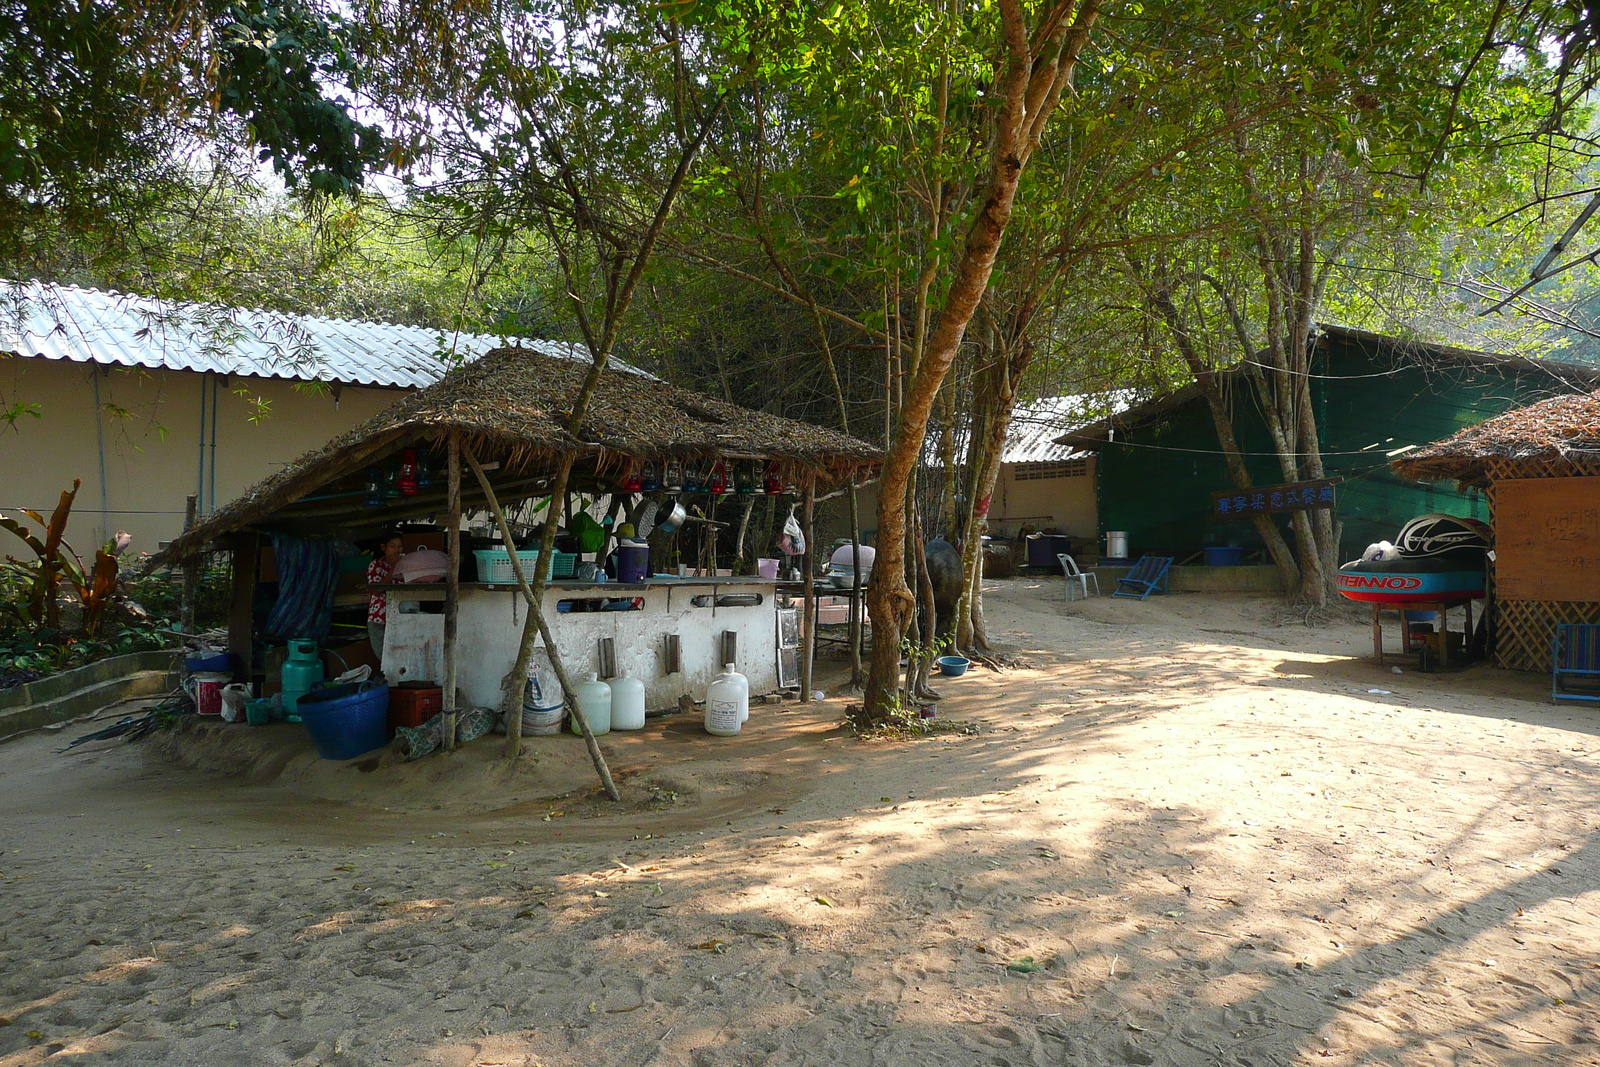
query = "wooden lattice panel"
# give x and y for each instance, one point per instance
(1546, 467)
(1525, 630)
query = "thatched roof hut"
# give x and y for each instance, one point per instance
(1551, 438)
(1540, 468)
(510, 407)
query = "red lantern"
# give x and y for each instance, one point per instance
(408, 472)
(719, 478)
(631, 481)
(774, 485)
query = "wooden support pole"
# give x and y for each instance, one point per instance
(808, 620)
(246, 556)
(532, 594)
(191, 571)
(452, 591)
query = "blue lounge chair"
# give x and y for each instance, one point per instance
(1575, 663)
(1148, 576)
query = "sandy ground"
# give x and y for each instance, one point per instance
(1186, 835)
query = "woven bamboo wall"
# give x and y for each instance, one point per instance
(1524, 629)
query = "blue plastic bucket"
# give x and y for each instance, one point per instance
(346, 720)
(1224, 556)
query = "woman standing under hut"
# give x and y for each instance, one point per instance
(381, 572)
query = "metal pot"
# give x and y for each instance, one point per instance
(674, 518)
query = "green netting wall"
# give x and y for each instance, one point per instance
(1155, 481)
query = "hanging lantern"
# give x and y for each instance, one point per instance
(773, 484)
(672, 476)
(744, 477)
(691, 478)
(650, 476)
(632, 481)
(407, 481)
(424, 470)
(391, 483)
(719, 478)
(374, 488)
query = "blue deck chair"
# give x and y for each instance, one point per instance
(1575, 663)
(1148, 576)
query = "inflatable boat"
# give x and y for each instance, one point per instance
(1435, 559)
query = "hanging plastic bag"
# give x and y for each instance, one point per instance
(793, 541)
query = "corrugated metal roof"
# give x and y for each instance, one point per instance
(1035, 426)
(120, 329)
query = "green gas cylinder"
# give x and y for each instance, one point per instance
(301, 673)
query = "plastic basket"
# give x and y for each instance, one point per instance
(494, 565)
(346, 720)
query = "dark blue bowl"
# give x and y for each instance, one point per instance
(955, 666)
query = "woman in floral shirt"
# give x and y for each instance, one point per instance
(379, 572)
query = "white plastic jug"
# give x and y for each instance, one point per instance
(627, 702)
(730, 671)
(543, 703)
(594, 700)
(727, 703)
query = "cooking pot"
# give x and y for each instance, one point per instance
(674, 518)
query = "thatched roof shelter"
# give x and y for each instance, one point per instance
(1553, 437)
(510, 407)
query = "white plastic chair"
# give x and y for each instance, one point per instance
(1077, 579)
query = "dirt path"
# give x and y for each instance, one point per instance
(1186, 836)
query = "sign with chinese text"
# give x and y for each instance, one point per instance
(1547, 539)
(1274, 499)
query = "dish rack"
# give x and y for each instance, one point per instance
(494, 565)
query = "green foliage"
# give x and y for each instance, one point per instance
(27, 654)
(104, 107)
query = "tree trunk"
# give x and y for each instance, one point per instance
(1029, 89)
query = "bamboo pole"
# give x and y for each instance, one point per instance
(808, 620)
(452, 591)
(513, 698)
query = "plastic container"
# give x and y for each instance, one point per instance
(727, 703)
(627, 702)
(494, 565)
(346, 720)
(259, 712)
(594, 700)
(206, 688)
(302, 672)
(633, 561)
(767, 568)
(1224, 556)
(955, 666)
(543, 704)
(211, 663)
(731, 671)
(414, 703)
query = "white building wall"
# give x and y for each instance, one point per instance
(133, 436)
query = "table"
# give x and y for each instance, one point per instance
(1442, 607)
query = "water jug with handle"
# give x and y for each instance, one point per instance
(732, 672)
(594, 700)
(727, 697)
(627, 702)
(301, 673)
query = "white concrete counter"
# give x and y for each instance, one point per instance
(697, 610)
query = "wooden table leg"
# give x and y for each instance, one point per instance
(1377, 635)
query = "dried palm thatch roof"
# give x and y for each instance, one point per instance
(1562, 428)
(511, 407)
